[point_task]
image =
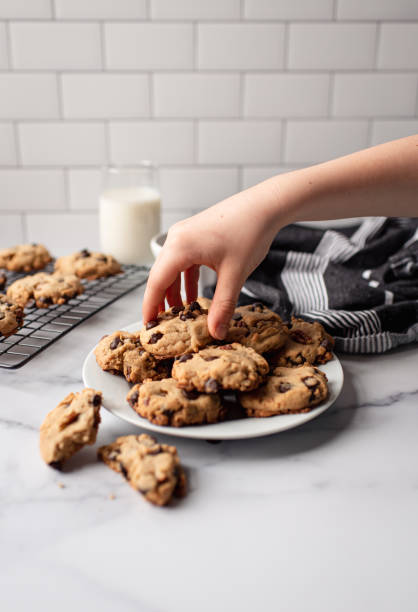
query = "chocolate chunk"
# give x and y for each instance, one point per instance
(211, 386)
(132, 400)
(299, 336)
(123, 470)
(191, 395)
(176, 309)
(258, 305)
(326, 344)
(195, 306)
(102, 258)
(167, 413)
(210, 357)
(57, 465)
(115, 343)
(237, 316)
(310, 381)
(151, 324)
(227, 347)
(45, 300)
(283, 387)
(97, 400)
(155, 337)
(84, 253)
(186, 315)
(184, 358)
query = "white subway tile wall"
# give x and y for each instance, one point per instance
(220, 94)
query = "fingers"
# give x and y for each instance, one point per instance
(224, 301)
(173, 293)
(163, 274)
(191, 279)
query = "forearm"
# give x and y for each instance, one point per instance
(380, 181)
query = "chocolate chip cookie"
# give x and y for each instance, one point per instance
(177, 331)
(138, 365)
(257, 327)
(287, 390)
(25, 257)
(231, 366)
(44, 289)
(152, 469)
(87, 264)
(111, 349)
(11, 316)
(162, 402)
(307, 343)
(71, 425)
(122, 353)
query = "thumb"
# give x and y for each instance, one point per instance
(224, 301)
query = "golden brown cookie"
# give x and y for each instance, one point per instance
(71, 425)
(286, 390)
(111, 349)
(25, 257)
(231, 366)
(44, 289)
(138, 365)
(257, 327)
(11, 316)
(162, 402)
(152, 469)
(89, 265)
(307, 343)
(177, 331)
(121, 353)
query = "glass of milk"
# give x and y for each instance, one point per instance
(130, 206)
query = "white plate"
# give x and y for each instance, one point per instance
(115, 389)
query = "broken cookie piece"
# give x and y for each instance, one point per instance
(69, 426)
(151, 468)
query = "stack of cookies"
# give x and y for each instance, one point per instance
(181, 373)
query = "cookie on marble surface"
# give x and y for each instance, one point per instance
(11, 316)
(151, 468)
(286, 390)
(258, 327)
(44, 289)
(231, 366)
(177, 331)
(307, 343)
(162, 402)
(25, 257)
(87, 264)
(71, 425)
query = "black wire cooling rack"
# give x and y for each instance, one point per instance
(44, 326)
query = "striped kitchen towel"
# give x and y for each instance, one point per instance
(360, 282)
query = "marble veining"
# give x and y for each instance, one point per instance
(318, 518)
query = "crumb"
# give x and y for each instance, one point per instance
(112, 496)
(61, 485)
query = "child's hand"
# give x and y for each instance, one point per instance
(232, 238)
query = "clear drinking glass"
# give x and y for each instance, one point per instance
(130, 209)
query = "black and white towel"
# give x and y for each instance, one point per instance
(360, 282)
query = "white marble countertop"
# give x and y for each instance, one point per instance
(323, 517)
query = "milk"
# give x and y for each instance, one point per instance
(129, 218)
